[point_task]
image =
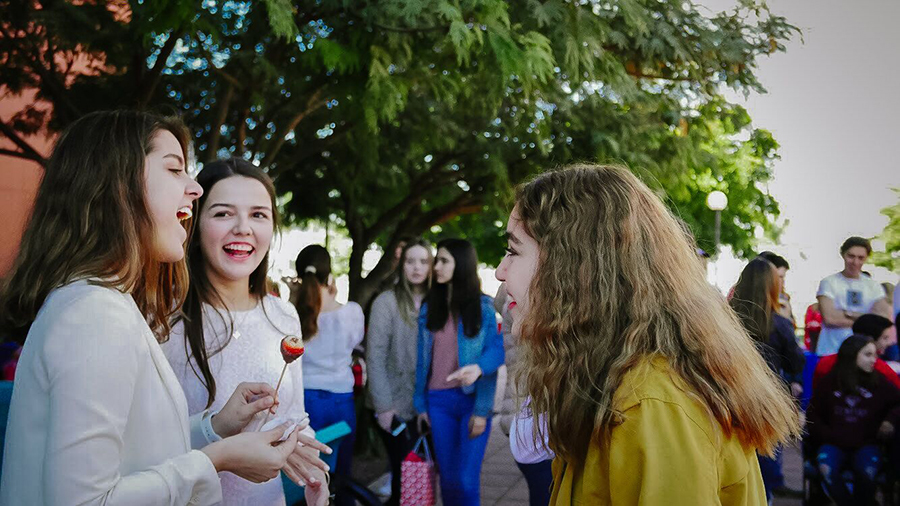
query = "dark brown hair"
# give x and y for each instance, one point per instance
(201, 289)
(849, 375)
(313, 269)
(856, 241)
(465, 290)
(91, 220)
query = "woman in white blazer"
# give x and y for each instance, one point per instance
(97, 415)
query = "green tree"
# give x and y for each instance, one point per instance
(397, 118)
(890, 257)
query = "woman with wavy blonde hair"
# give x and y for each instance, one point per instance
(653, 392)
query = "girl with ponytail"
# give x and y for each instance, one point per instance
(331, 331)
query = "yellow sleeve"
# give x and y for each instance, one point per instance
(660, 457)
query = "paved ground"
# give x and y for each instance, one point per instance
(503, 485)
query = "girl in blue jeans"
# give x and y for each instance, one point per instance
(851, 409)
(459, 352)
(330, 332)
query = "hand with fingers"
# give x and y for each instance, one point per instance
(303, 466)
(477, 426)
(254, 456)
(467, 375)
(386, 419)
(247, 400)
(423, 423)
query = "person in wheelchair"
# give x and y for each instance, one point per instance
(852, 409)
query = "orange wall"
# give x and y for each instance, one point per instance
(19, 179)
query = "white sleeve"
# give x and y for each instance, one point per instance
(876, 293)
(358, 331)
(92, 355)
(827, 289)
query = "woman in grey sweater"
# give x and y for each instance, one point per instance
(391, 355)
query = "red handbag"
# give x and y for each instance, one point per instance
(417, 476)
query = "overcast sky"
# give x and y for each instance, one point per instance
(833, 103)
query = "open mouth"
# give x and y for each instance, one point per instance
(184, 213)
(512, 304)
(238, 250)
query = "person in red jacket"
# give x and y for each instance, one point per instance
(851, 410)
(869, 325)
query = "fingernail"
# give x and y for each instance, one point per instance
(327, 468)
(313, 481)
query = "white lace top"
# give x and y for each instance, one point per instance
(253, 355)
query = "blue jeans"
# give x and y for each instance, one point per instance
(865, 463)
(328, 408)
(458, 456)
(539, 477)
(772, 475)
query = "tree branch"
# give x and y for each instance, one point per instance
(152, 78)
(416, 193)
(312, 105)
(20, 154)
(221, 116)
(28, 151)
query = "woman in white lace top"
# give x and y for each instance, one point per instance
(232, 329)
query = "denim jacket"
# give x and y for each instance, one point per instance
(484, 349)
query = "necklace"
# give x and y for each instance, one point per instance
(236, 324)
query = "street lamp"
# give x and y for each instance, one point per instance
(717, 201)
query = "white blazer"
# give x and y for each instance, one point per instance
(97, 415)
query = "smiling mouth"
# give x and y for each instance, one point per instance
(238, 250)
(184, 213)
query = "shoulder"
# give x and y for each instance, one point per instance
(874, 286)
(385, 301)
(783, 325)
(85, 305)
(653, 386)
(84, 295)
(83, 321)
(353, 308)
(487, 305)
(280, 307)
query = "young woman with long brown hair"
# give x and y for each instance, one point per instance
(331, 331)
(97, 416)
(459, 353)
(654, 394)
(391, 354)
(757, 301)
(852, 408)
(231, 328)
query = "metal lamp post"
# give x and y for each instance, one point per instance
(717, 201)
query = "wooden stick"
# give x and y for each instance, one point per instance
(269, 411)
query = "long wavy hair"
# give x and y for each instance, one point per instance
(849, 376)
(313, 265)
(755, 299)
(464, 300)
(403, 290)
(201, 289)
(91, 220)
(618, 281)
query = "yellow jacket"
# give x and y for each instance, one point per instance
(668, 452)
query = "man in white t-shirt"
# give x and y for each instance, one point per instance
(847, 295)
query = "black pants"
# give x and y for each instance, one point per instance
(398, 447)
(539, 477)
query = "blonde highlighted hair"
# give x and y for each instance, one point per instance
(618, 281)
